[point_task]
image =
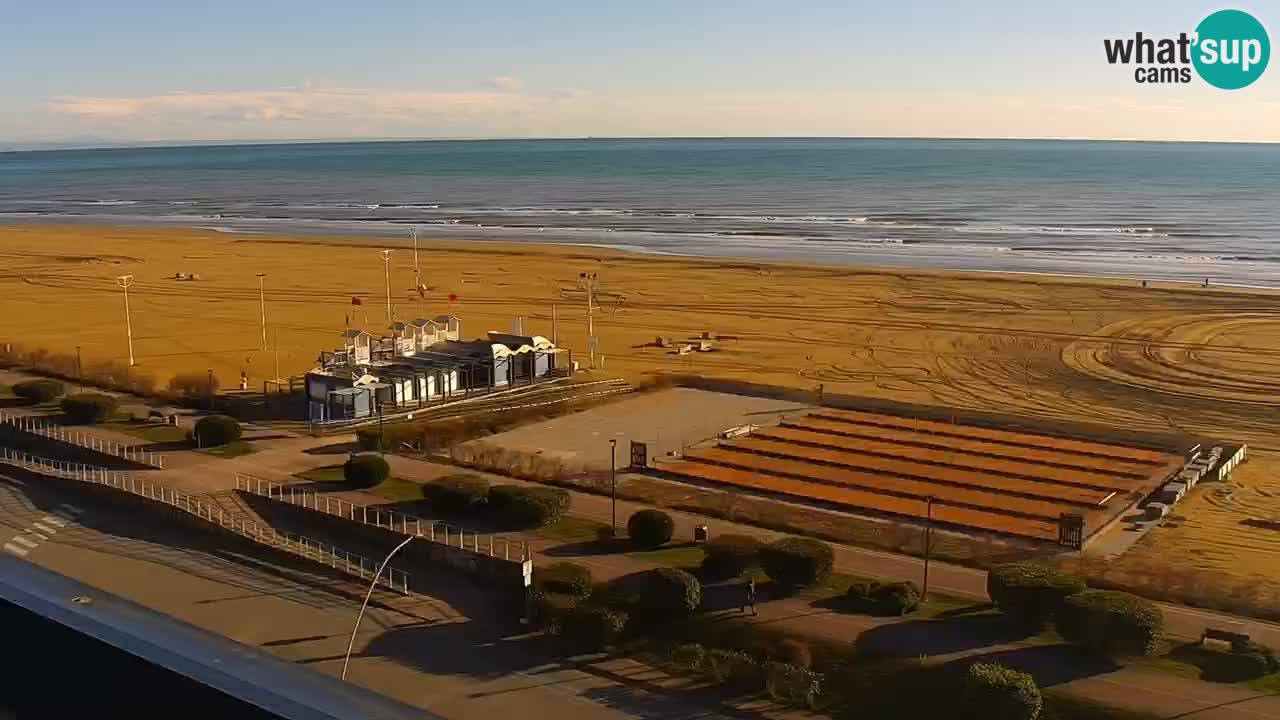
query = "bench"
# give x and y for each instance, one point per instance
(1230, 637)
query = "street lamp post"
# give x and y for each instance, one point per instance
(124, 281)
(262, 305)
(382, 434)
(79, 370)
(347, 660)
(613, 483)
(210, 388)
(386, 262)
(928, 545)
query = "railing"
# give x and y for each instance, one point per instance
(207, 510)
(432, 530)
(39, 426)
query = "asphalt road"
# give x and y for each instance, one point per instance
(447, 652)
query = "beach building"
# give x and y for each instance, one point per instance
(420, 363)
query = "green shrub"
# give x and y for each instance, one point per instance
(393, 435)
(38, 390)
(365, 470)
(730, 667)
(456, 493)
(566, 578)
(88, 408)
(549, 607)
(877, 598)
(728, 556)
(650, 529)
(995, 692)
(528, 507)
(792, 685)
(797, 562)
(795, 652)
(215, 430)
(590, 629)
(1030, 592)
(658, 595)
(1111, 622)
(689, 656)
(1246, 661)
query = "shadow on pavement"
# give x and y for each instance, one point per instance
(342, 448)
(1050, 665)
(913, 638)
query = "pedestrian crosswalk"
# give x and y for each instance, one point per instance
(42, 529)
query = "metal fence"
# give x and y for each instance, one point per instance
(209, 510)
(433, 530)
(39, 426)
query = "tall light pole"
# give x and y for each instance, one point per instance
(347, 660)
(928, 545)
(417, 274)
(613, 483)
(262, 304)
(386, 261)
(125, 281)
(589, 279)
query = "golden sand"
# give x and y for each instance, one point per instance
(1166, 358)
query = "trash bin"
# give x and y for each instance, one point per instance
(700, 533)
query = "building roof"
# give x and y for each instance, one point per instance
(354, 333)
(423, 322)
(444, 319)
(398, 326)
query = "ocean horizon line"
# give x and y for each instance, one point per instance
(72, 146)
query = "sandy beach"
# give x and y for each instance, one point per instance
(1170, 357)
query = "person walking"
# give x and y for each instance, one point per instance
(750, 599)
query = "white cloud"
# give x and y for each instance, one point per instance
(506, 108)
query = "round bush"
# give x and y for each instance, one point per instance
(689, 656)
(457, 493)
(728, 556)
(365, 470)
(734, 668)
(38, 390)
(660, 595)
(548, 607)
(795, 653)
(1031, 593)
(215, 430)
(528, 507)
(1111, 622)
(994, 692)
(566, 578)
(877, 598)
(650, 529)
(590, 628)
(88, 408)
(797, 562)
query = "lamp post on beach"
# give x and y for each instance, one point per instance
(386, 261)
(613, 484)
(262, 305)
(124, 281)
(347, 659)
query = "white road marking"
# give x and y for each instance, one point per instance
(42, 537)
(23, 541)
(44, 528)
(74, 510)
(55, 520)
(20, 552)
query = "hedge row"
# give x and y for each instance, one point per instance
(1029, 592)
(88, 408)
(797, 562)
(38, 391)
(728, 556)
(1113, 623)
(525, 506)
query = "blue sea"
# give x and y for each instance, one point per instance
(1182, 211)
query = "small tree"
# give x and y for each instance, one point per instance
(728, 556)
(215, 430)
(995, 692)
(1030, 592)
(1111, 622)
(38, 391)
(797, 562)
(88, 408)
(457, 493)
(650, 529)
(365, 470)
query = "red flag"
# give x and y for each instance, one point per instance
(356, 301)
(452, 298)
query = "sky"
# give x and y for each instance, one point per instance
(152, 71)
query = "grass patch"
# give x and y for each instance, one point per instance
(230, 450)
(6, 392)
(393, 488)
(685, 557)
(149, 431)
(571, 529)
